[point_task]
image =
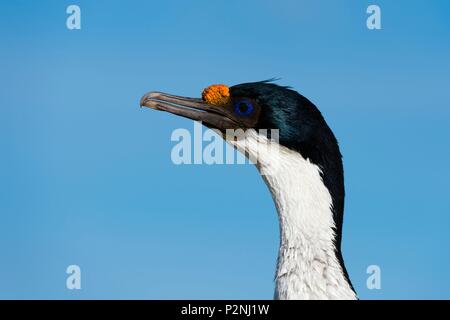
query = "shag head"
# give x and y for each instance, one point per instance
(257, 105)
(265, 105)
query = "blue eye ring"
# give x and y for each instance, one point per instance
(243, 107)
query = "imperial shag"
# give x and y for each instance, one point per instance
(303, 171)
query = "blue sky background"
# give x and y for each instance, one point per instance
(86, 176)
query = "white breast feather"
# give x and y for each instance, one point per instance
(307, 266)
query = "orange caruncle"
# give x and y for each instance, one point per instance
(217, 94)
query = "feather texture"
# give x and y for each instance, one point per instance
(307, 266)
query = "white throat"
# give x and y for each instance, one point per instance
(307, 265)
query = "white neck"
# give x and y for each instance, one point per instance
(307, 264)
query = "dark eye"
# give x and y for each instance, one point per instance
(243, 108)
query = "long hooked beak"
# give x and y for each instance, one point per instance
(214, 116)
